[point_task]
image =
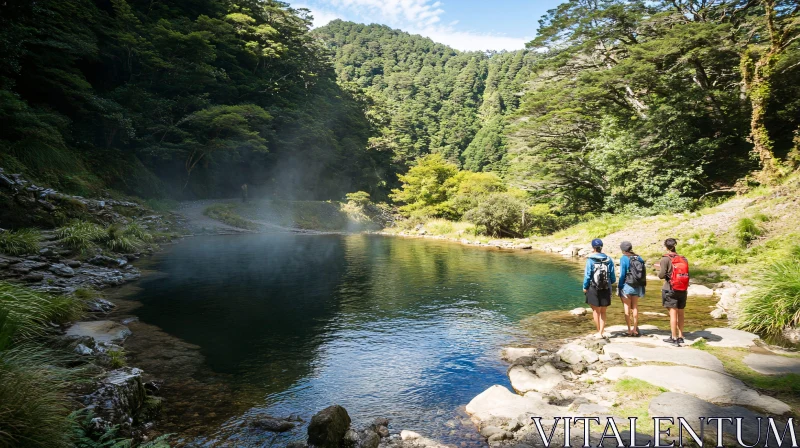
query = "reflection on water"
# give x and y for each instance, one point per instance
(405, 329)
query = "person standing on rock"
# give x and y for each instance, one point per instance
(597, 280)
(633, 279)
(674, 270)
(244, 192)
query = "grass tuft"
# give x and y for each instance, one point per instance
(80, 235)
(747, 231)
(20, 242)
(774, 303)
(25, 313)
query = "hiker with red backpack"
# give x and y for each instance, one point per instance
(632, 282)
(597, 280)
(674, 270)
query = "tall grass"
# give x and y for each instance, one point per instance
(27, 313)
(33, 378)
(19, 242)
(83, 235)
(747, 231)
(775, 302)
(34, 406)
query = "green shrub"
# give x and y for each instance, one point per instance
(83, 235)
(747, 231)
(500, 215)
(774, 303)
(20, 242)
(360, 198)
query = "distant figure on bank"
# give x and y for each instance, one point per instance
(244, 192)
(674, 270)
(597, 281)
(632, 281)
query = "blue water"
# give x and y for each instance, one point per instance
(389, 327)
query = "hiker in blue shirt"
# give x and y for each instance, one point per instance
(597, 280)
(632, 282)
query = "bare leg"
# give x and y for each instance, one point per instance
(596, 317)
(635, 312)
(673, 322)
(626, 308)
(680, 323)
(602, 324)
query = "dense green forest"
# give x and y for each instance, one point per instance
(429, 98)
(616, 106)
(181, 99)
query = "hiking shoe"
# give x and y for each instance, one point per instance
(681, 341)
(672, 341)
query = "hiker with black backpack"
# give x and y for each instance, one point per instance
(633, 279)
(674, 270)
(597, 281)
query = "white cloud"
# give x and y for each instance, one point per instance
(472, 41)
(321, 16)
(415, 16)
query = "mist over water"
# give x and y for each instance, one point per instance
(386, 327)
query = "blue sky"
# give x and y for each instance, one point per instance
(461, 24)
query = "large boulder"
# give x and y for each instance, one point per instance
(574, 353)
(700, 291)
(511, 354)
(544, 380)
(685, 355)
(328, 427)
(499, 403)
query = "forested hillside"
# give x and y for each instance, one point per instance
(181, 99)
(617, 106)
(429, 98)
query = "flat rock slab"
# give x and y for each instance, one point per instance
(497, 402)
(674, 355)
(725, 337)
(102, 331)
(676, 405)
(704, 384)
(772, 364)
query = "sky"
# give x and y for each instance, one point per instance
(467, 25)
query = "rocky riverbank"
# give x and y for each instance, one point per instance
(643, 377)
(117, 396)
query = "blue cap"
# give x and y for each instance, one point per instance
(597, 242)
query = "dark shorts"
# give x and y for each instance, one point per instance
(673, 299)
(598, 298)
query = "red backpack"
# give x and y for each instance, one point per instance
(679, 280)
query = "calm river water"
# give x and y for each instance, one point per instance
(284, 324)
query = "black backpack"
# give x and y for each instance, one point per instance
(600, 274)
(637, 272)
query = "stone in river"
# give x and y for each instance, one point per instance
(328, 427)
(104, 331)
(675, 355)
(499, 403)
(511, 354)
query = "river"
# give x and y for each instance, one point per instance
(243, 326)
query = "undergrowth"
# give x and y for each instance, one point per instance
(83, 235)
(19, 242)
